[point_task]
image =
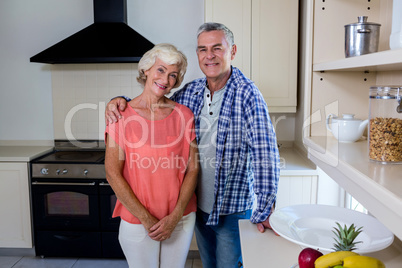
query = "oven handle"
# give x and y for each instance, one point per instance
(104, 184)
(64, 183)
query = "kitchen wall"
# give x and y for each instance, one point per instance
(27, 27)
(43, 102)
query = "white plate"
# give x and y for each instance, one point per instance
(312, 225)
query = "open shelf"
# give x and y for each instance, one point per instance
(389, 60)
(335, 84)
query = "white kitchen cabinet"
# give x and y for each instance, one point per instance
(15, 223)
(266, 34)
(335, 84)
(295, 190)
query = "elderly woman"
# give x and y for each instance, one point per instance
(152, 167)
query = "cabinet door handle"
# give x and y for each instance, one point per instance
(104, 184)
(65, 183)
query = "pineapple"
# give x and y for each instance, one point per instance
(345, 237)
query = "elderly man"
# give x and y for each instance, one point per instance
(238, 152)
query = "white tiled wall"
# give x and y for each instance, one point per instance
(80, 93)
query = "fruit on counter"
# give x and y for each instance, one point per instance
(362, 262)
(344, 257)
(333, 259)
(344, 244)
(345, 237)
(307, 257)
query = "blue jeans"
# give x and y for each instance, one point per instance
(219, 245)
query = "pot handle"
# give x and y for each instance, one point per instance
(327, 121)
(363, 31)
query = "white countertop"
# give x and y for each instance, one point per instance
(378, 187)
(22, 153)
(294, 163)
(268, 250)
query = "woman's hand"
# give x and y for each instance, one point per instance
(163, 229)
(149, 222)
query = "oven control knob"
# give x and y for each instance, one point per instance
(58, 171)
(65, 171)
(86, 172)
(44, 171)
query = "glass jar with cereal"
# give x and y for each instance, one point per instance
(385, 126)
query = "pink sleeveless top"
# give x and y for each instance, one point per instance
(156, 156)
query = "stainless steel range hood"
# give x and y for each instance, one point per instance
(108, 40)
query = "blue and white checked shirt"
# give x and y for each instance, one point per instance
(247, 157)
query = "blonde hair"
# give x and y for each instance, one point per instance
(167, 53)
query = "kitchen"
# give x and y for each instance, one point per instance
(40, 87)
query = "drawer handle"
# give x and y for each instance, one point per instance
(68, 237)
(64, 183)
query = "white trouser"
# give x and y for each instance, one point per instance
(141, 251)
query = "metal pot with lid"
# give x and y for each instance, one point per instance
(361, 37)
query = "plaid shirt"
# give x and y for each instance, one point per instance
(247, 157)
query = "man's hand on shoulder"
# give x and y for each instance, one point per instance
(113, 108)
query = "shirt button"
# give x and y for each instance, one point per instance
(211, 113)
(208, 95)
(209, 104)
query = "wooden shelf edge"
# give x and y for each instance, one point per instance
(389, 60)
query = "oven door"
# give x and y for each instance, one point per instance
(68, 205)
(107, 203)
(110, 226)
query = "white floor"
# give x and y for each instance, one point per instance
(37, 262)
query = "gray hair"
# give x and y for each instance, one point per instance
(167, 53)
(214, 26)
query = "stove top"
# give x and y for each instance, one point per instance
(70, 162)
(76, 156)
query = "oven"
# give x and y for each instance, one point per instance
(72, 205)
